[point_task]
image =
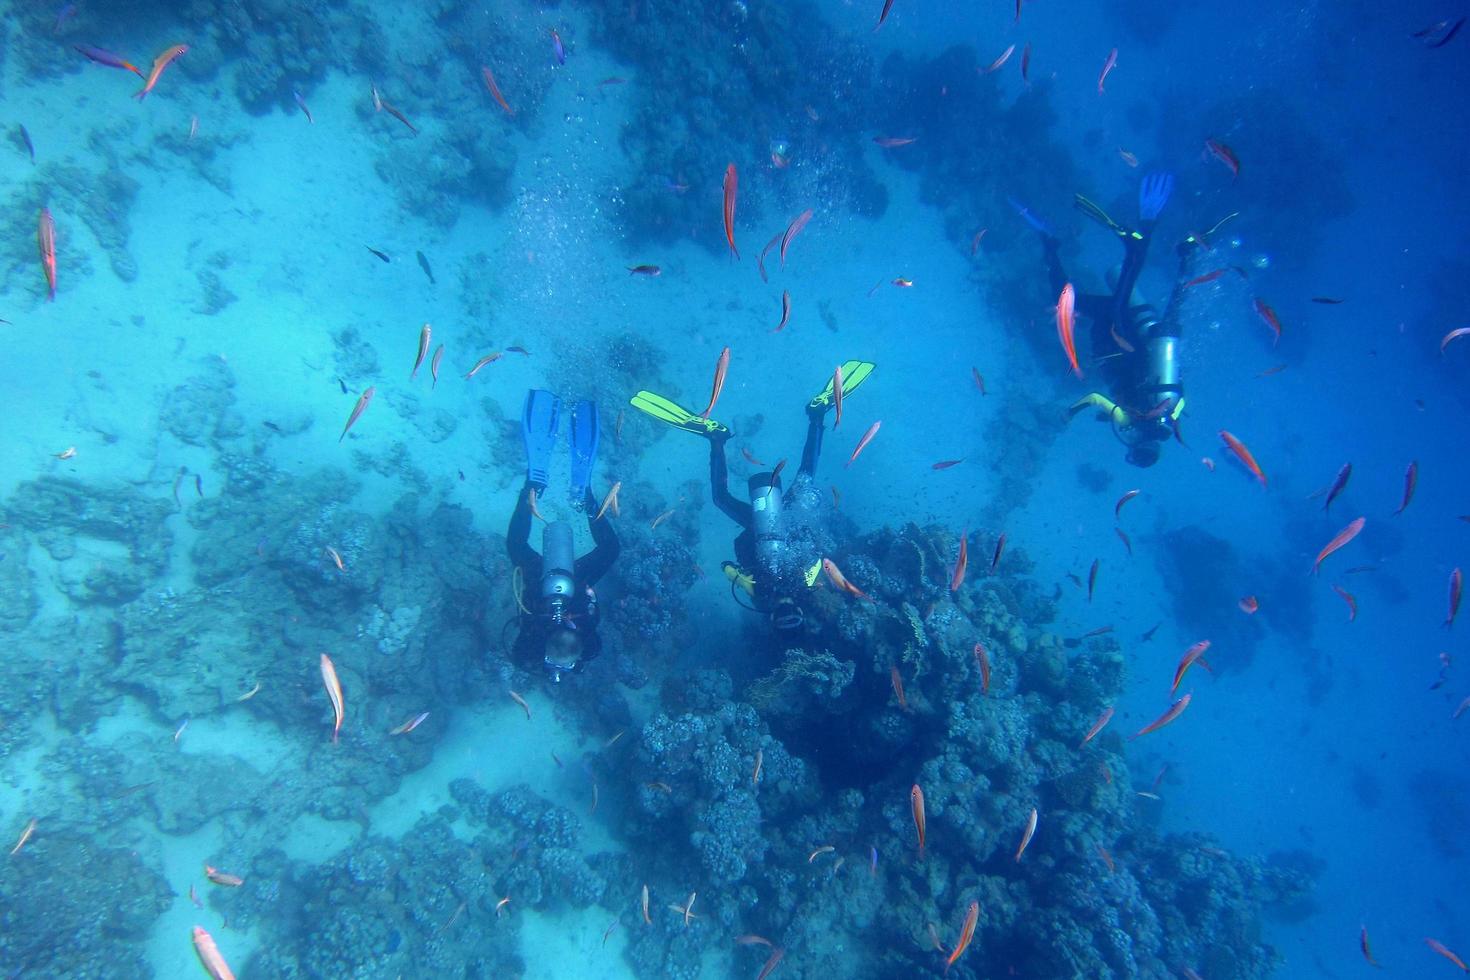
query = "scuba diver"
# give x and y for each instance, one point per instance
(1142, 372)
(558, 621)
(777, 557)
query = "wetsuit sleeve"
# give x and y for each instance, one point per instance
(811, 450)
(518, 537)
(596, 563)
(719, 486)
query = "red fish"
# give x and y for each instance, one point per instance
(785, 310)
(486, 74)
(1107, 67)
(863, 442)
(159, 64)
(1439, 948)
(839, 581)
(1027, 834)
(890, 142)
(760, 263)
(1225, 155)
(967, 932)
(750, 456)
(774, 960)
(101, 56)
(334, 694)
(1185, 662)
(1457, 582)
(209, 956)
(982, 659)
(1207, 277)
(1000, 547)
(1453, 335)
(897, 679)
(883, 14)
(362, 404)
(732, 181)
(721, 366)
(1363, 945)
(1174, 711)
(792, 230)
(837, 396)
(424, 335)
(1065, 306)
(1272, 320)
(1244, 455)
(1123, 500)
(1249, 605)
(1124, 538)
(1338, 483)
(963, 561)
(1092, 579)
(1343, 537)
(945, 464)
(1411, 480)
(434, 366)
(979, 380)
(998, 62)
(1026, 62)
(1097, 726)
(916, 804)
(46, 242)
(1350, 599)
(975, 242)
(1128, 158)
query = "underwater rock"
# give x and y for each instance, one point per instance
(63, 892)
(18, 599)
(200, 411)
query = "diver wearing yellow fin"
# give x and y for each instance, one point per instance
(1137, 350)
(776, 560)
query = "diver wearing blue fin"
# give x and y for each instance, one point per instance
(557, 607)
(771, 565)
(1137, 350)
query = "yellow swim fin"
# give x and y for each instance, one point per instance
(854, 373)
(675, 414)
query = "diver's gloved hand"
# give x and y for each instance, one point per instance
(1153, 195)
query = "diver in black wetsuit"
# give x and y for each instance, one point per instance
(1141, 368)
(558, 621)
(775, 561)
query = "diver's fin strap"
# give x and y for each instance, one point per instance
(1107, 409)
(854, 373)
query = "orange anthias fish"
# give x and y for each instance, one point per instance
(1225, 155)
(1265, 312)
(1097, 726)
(222, 877)
(1186, 661)
(362, 404)
(1249, 605)
(995, 65)
(897, 679)
(1066, 304)
(1027, 834)
(963, 561)
(25, 835)
(792, 230)
(424, 335)
(1000, 549)
(434, 366)
(982, 659)
(1123, 500)
(1350, 599)
(1439, 948)
(1343, 537)
(732, 181)
(159, 64)
(495, 90)
(1454, 334)
(916, 803)
(863, 442)
(840, 582)
(1244, 455)
(967, 932)
(1411, 480)
(1108, 66)
(1367, 951)
(1175, 710)
(837, 396)
(334, 694)
(483, 362)
(892, 142)
(611, 500)
(522, 702)
(945, 464)
(721, 367)
(411, 724)
(1457, 582)
(46, 242)
(785, 310)
(209, 956)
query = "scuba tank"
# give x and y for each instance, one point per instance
(766, 523)
(558, 561)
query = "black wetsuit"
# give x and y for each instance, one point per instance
(581, 609)
(741, 512)
(1129, 375)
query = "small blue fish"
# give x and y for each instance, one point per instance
(1030, 217)
(557, 50)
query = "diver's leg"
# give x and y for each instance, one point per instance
(719, 481)
(811, 450)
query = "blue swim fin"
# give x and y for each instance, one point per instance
(584, 448)
(1153, 194)
(540, 420)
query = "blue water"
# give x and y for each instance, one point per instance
(178, 488)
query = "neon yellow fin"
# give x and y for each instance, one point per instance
(674, 414)
(854, 373)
